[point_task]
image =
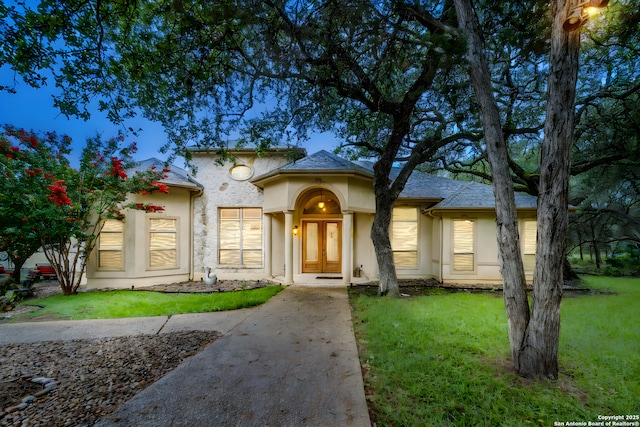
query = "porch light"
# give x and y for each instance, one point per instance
(321, 203)
(295, 230)
(579, 15)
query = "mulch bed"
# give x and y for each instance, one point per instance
(200, 287)
(422, 287)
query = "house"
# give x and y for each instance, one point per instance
(269, 217)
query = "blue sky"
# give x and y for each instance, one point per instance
(32, 109)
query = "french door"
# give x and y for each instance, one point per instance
(321, 246)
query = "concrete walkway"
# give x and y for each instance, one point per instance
(290, 362)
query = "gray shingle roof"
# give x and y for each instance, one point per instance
(477, 195)
(449, 193)
(324, 161)
(176, 176)
(453, 194)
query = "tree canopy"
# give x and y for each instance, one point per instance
(45, 203)
(391, 78)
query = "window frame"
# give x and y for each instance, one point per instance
(526, 244)
(415, 251)
(474, 248)
(175, 232)
(103, 233)
(241, 219)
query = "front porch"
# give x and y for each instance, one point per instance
(320, 280)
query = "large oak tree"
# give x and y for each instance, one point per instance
(375, 73)
(385, 76)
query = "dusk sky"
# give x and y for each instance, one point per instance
(32, 109)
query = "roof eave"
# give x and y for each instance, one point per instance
(244, 150)
(260, 181)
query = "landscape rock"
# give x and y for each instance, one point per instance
(87, 379)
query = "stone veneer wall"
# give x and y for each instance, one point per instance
(221, 190)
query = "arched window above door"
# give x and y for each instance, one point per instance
(321, 202)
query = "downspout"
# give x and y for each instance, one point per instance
(192, 257)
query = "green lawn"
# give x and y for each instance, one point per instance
(114, 304)
(443, 360)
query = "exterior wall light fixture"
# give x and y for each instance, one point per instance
(579, 15)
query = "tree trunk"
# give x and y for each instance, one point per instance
(594, 244)
(388, 280)
(539, 356)
(385, 199)
(17, 267)
(57, 255)
(509, 254)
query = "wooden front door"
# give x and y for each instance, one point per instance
(321, 246)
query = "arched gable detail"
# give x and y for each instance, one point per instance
(298, 197)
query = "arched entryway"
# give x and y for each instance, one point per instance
(321, 220)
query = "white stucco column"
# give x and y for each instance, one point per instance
(347, 244)
(266, 244)
(288, 247)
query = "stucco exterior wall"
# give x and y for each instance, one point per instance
(363, 251)
(487, 266)
(285, 194)
(136, 270)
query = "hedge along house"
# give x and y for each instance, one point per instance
(269, 218)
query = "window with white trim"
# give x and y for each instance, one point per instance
(240, 234)
(163, 242)
(111, 245)
(529, 232)
(464, 257)
(404, 237)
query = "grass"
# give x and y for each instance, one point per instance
(443, 360)
(117, 304)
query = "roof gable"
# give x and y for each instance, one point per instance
(321, 162)
(176, 176)
(324, 161)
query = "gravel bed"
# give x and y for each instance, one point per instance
(94, 377)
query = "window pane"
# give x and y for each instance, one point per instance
(252, 213)
(162, 241)
(113, 225)
(251, 235)
(162, 258)
(162, 224)
(463, 262)
(463, 236)
(530, 237)
(405, 259)
(529, 262)
(230, 235)
(110, 259)
(240, 239)
(404, 236)
(241, 172)
(252, 258)
(111, 245)
(230, 213)
(312, 241)
(333, 246)
(463, 245)
(111, 241)
(405, 214)
(228, 257)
